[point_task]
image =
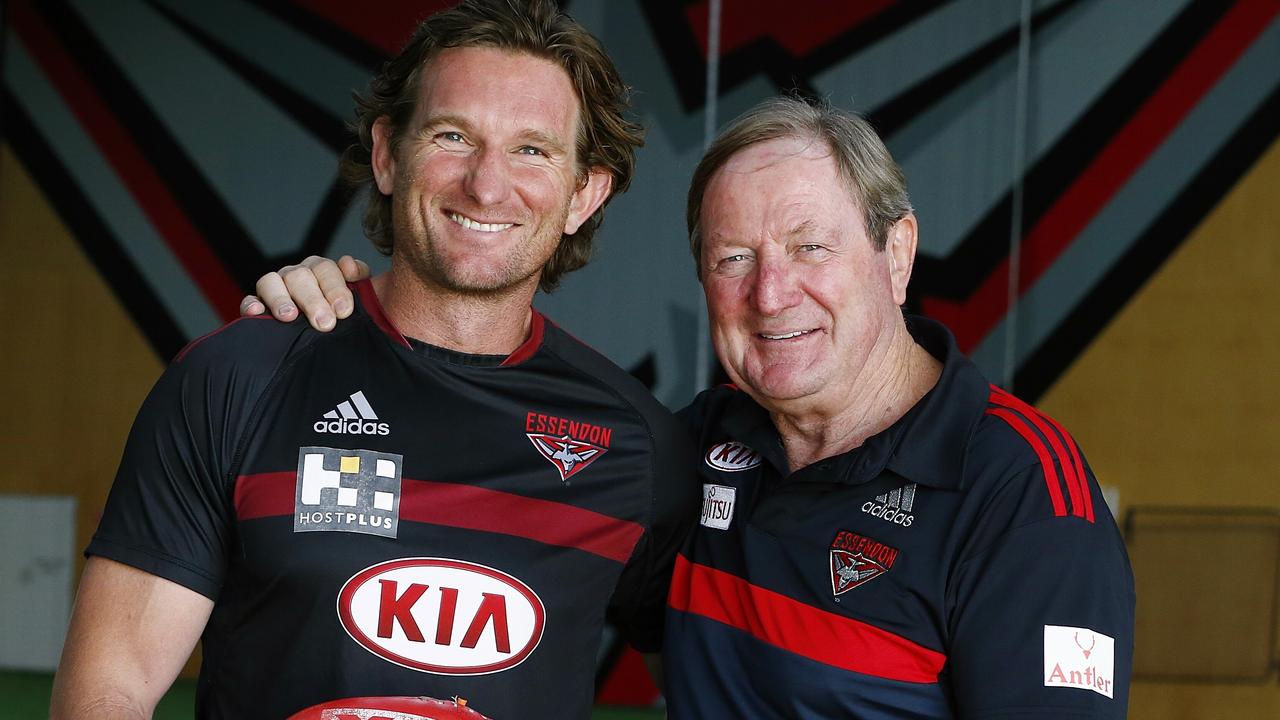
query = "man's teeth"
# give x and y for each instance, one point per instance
(784, 336)
(470, 224)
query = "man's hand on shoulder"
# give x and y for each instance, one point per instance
(317, 286)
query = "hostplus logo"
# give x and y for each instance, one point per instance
(347, 490)
(894, 507)
(353, 416)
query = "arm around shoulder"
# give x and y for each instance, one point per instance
(131, 632)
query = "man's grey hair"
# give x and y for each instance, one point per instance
(873, 179)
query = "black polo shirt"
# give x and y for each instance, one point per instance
(960, 563)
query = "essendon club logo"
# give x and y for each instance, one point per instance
(857, 560)
(569, 445)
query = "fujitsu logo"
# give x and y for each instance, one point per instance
(353, 416)
(442, 616)
(717, 505)
(894, 507)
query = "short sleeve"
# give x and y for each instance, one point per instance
(170, 511)
(1041, 619)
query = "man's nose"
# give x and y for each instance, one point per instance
(776, 287)
(488, 179)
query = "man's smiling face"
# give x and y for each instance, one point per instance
(484, 181)
(797, 295)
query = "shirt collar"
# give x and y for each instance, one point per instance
(927, 445)
(935, 432)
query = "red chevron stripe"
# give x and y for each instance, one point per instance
(1076, 465)
(795, 30)
(1198, 72)
(120, 150)
(386, 26)
(1037, 445)
(802, 629)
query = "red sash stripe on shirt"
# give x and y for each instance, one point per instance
(796, 627)
(469, 507)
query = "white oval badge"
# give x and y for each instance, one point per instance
(732, 456)
(443, 616)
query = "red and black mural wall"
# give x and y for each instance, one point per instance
(1096, 183)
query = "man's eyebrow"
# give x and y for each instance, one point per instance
(545, 140)
(803, 228)
(433, 121)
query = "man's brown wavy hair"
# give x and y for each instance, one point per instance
(607, 138)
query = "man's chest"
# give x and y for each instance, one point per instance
(443, 529)
(877, 552)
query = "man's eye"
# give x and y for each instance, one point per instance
(451, 136)
(531, 150)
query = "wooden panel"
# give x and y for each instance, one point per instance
(1178, 403)
(1207, 606)
(74, 366)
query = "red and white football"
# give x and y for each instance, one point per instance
(389, 708)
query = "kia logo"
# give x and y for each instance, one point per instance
(442, 616)
(732, 456)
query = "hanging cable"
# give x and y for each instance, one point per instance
(702, 373)
(1015, 221)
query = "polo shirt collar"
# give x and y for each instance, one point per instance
(927, 445)
(934, 434)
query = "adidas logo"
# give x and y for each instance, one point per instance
(352, 417)
(894, 507)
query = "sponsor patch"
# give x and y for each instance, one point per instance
(732, 456)
(1081, 658)
(857, 560)
(442, 616)
(717, 505)
(341, 490)
(569, 445)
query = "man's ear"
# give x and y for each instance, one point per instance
(383, 159)
(588, 198)
(901, 246)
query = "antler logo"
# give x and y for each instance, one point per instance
(1093, 640)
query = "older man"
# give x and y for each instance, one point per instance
(884, 534)
(446, 496)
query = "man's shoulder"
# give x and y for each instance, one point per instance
(716, 403)
(1013, 433)
(1018, 451)
(599, 369)
(243, 341)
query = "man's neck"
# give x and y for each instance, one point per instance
(478, 324)
(895, 378)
